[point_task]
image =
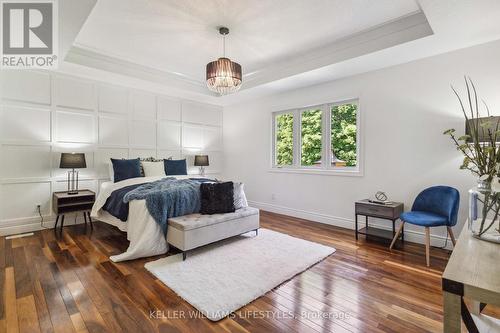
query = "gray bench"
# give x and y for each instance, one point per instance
(191, 231)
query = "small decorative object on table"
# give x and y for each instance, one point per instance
(481, 153)
(72, 161)
(64, 203)
(201, 161)
(380, 198)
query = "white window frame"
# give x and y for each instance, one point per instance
(325, 167)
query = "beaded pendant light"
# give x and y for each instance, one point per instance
(223, 75)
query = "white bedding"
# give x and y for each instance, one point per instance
(145, 235)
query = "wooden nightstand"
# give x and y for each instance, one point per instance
(63, 203)
(387, 212)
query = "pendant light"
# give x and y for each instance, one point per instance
(223, 75)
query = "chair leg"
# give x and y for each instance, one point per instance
(427, 245)
(397, 235)
(450, 232)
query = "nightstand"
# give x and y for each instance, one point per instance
(389, 212)
(63, 203)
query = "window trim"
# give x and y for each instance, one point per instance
(324, 168)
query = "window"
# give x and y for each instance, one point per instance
(310, 137)
(324, 138)
(284, 139)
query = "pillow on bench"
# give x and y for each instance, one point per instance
(217, 198)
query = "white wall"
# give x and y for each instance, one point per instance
(404, 110)
(43, 114)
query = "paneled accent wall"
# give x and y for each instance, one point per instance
(43, 114)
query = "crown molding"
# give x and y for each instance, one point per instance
(396, 32)
(89, 58)
(399, 31)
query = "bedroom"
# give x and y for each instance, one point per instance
(148, 185)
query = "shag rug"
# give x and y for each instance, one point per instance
(219, 279)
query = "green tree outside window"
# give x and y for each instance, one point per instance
(344, 133)
(284, 139)
(311, 137)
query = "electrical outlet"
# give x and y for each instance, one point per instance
(38, 206)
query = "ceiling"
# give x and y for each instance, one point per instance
(281, 44)
(182, 37)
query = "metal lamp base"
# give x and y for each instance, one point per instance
(72, 182)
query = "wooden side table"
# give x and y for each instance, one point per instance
(472, 273)
(387, 212)
(63, 203)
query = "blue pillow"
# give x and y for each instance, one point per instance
(175, 167)
(125, 169)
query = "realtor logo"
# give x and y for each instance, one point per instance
(29, 34)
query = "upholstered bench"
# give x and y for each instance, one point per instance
(191, 231)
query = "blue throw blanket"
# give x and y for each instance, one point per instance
(168, 197)
(115, 205)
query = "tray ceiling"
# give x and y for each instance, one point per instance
(180, 37)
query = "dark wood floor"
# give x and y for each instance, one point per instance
(67, 283)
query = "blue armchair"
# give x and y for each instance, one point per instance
(435, 206)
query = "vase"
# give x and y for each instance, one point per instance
(484, 206)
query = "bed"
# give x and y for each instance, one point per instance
(146, 236)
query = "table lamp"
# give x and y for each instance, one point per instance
(72, 161)
(201, 161)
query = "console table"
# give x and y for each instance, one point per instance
(473, 272)
(382, 211)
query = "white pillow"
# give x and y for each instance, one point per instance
(111, 171)
(154, 169)
(240, 199)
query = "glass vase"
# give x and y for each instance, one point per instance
(484, 206)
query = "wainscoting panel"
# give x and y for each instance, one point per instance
(19, 201)
(26, 86)
(62, 185)
(68, 132)
(173, 154)
(113, 99)
(24, 124)
(169, 135)
(113, 130)
(74, 93)
(169, 109)
(192, 136)
(143, 106)
(193, 112)
(143, 133)
(20, 162)
(142, 153)
(45, 114)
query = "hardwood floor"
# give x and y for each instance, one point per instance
(67, 284)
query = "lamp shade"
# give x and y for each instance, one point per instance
(223, 76)
(484, 125)
(72, 161)
(201, 160)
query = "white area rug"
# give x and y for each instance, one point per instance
(221, 278)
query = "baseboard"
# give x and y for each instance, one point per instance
(410, 235)
(31, 224)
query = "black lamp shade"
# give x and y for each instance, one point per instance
(201, 160)
(72, 161)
